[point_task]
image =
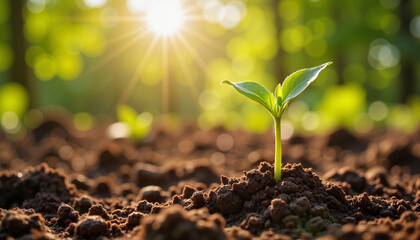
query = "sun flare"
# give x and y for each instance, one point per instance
(165, 17)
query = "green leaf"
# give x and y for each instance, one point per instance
(257, 93)
(127, 114)
(298, 81)
(277, 95)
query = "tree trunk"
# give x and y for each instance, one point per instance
(339, 53)
(278, 69)
(408, 85)
(20, 71)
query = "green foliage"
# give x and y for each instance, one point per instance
(276, 103)
(341, 105)
(4, 11)
(139, 125)
(81, 55)
(13, 98)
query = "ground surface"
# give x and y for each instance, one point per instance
(186, 183)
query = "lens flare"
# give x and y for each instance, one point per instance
(165, 17)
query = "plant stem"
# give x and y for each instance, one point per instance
(277, 159)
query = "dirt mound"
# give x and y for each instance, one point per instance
(176, 223)
(406, 227)
(148, 174)
(301, 203)
(24, 224)
(41, 188)
(375, 181)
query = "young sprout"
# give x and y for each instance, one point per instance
(277, 102)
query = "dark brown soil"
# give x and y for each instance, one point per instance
(57, 183)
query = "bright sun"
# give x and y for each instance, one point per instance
(165, 17)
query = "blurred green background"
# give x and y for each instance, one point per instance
(100, 61)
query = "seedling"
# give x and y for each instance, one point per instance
(138, 125)
(276, 103)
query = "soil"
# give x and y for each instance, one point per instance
(187, 183)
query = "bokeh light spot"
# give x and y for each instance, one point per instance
(287, 130)
(91, 40)
(296, 110)
(390, 23)
(400, 116)
(362, 123)
(32, 53)
(292, 40)
(69, 66)
(137, 6)
(45, 67)
(95, 3)
(211, 11)
(36, 6)
(229, 16)
(383, 55)
(145, 119)
(310, 121)
(289, 10)
(415, 26)
(83, 121)
(225, 142)
(36, 27)
(378, 111)
(13, 97)
(9, 120)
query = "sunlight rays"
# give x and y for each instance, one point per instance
(124, 36)
(116, 53)
(192, 51)
(87, 19)
(186, 71)
(165, 77)
(132, 82)
(174, 39)
(205, 39)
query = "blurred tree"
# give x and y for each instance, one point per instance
(20, 71)
(408, 85)
(278, 59)
(374, 46)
